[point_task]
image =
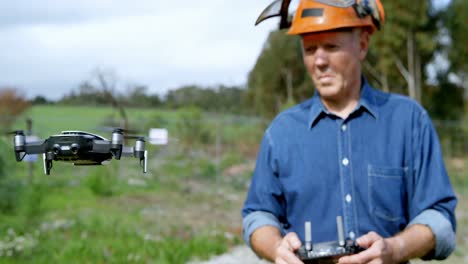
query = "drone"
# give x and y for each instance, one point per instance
(80, 148)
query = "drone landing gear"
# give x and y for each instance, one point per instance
(144, 162)
(47, 160)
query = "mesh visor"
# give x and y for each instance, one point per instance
(274, 9)
(337, 3)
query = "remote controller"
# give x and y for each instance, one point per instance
(327, 252)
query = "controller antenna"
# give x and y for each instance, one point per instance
(339, 225)
(308, 236)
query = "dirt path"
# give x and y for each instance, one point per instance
(240, 254)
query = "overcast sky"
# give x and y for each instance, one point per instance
(49, 47)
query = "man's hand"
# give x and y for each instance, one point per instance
(286, 248)
(379, 251)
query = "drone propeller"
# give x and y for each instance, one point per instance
(134, 137)
(121, 130)
(14, 132)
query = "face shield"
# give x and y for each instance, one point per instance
(362, 8)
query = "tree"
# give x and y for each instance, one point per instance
(213, 99)
(12, 105)
(405, 45)
(137, 96)
(40, 100)
(456, 22)
(279, 76)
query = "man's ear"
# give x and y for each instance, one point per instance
(364, 40)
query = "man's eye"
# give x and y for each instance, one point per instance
(331, 46)
(310, 49)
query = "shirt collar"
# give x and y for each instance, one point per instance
(366, 101)
(317, 109)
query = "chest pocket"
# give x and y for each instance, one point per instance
(386, 192)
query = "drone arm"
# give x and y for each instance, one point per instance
(35, 147)
(28, 148)
(128, 152)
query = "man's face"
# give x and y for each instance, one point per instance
(333, 60)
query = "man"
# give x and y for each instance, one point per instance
(351, 151)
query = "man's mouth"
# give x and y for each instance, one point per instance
(325, 78)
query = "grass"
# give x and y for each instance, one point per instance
(136, 224)
(181, 210)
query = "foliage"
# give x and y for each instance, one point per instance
(218, 99)
(405, 45)
(102, 181)
(279, 75)
(32, 198)
(456, 21)
(3, 160)
(190, 128)
(40, 100)
(445, 101)
(10, 193)
(10, 188)
(12, 105)
(205, 168)
(137, 96)
(157, 120)
(85, 94)
(231, 158)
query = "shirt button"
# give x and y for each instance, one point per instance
(352, 235)
(344, 127)
(345, 161)
(348, 198)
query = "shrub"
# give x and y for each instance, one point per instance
(102, 181)
(190, 127)
(10, 191)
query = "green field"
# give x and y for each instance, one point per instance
(182, 209)
(186, 207)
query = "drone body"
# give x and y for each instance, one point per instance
(80, 148)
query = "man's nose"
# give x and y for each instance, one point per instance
(321, 58)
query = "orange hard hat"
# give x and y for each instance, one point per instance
(321, 15)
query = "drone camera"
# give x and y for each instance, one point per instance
(56, 149)
(74, 148)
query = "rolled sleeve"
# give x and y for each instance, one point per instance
(441, 228)
(255, 220)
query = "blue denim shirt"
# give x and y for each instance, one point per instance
(381, 169)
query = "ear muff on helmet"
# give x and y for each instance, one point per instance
(372, 8)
